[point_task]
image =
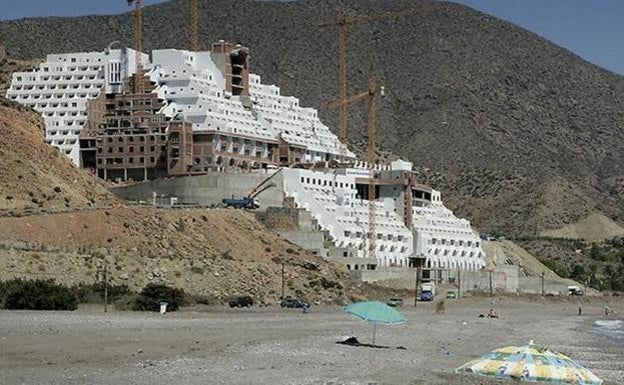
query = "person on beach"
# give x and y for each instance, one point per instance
(606, 311)
(580, 310)
(492, 314)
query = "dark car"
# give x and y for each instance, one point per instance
(292, 303)
(241, 301)
(426, 296)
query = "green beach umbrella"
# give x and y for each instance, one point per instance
(376, 313)
(531, 363)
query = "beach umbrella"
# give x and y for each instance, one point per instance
(530, 363)
(376, 313)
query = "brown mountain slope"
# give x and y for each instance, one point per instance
(36, 176)
(217, 253)
(471, 97)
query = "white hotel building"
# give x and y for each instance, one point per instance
(239, 123)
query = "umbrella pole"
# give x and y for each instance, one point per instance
(374, 332)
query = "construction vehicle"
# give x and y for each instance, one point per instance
(241, 203)
(250, 201)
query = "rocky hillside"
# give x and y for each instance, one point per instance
(217, 253)
(520, 134)
(35, 177)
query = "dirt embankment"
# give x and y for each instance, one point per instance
(34, 175)
(595, 227)
(217, 253)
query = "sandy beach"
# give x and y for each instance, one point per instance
(275, 346)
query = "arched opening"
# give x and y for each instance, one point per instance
(356, 267)
(348, 267)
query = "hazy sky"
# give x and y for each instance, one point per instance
(590, 28)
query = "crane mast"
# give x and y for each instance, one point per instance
(343, 21)
(138, 40)
(194, 26)
(373, 91)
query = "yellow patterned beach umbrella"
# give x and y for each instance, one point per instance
(530, 363)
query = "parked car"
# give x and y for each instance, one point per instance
(426, 296)
(427, 292)
(575, 290)
(451, 294)
(394, 302)
(241, 301)
(289, 302)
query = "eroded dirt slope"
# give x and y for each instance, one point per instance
(34, 175)
(217, 253)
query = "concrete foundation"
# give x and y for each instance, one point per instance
(206, 190)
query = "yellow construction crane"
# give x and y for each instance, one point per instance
(341, 23)
(138, 40)
(194, 27)
(373, 91)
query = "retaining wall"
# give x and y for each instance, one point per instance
(206, 190)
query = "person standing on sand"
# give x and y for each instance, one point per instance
(580, 310)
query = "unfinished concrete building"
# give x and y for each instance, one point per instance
(127, 138)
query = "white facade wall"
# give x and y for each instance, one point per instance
(444, 240)
(193, 85)
(448, 242)
(331, 199)
(61, 87)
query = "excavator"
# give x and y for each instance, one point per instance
(250, 201)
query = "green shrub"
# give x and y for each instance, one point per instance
(94, 293)
(36, 295)
(150, 297)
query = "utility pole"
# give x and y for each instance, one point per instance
(458, 283)
(283, 280)
(416, 287)
(491, 288)
(105, 286)
(543, 283)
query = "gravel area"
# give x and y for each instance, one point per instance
(274, 346)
